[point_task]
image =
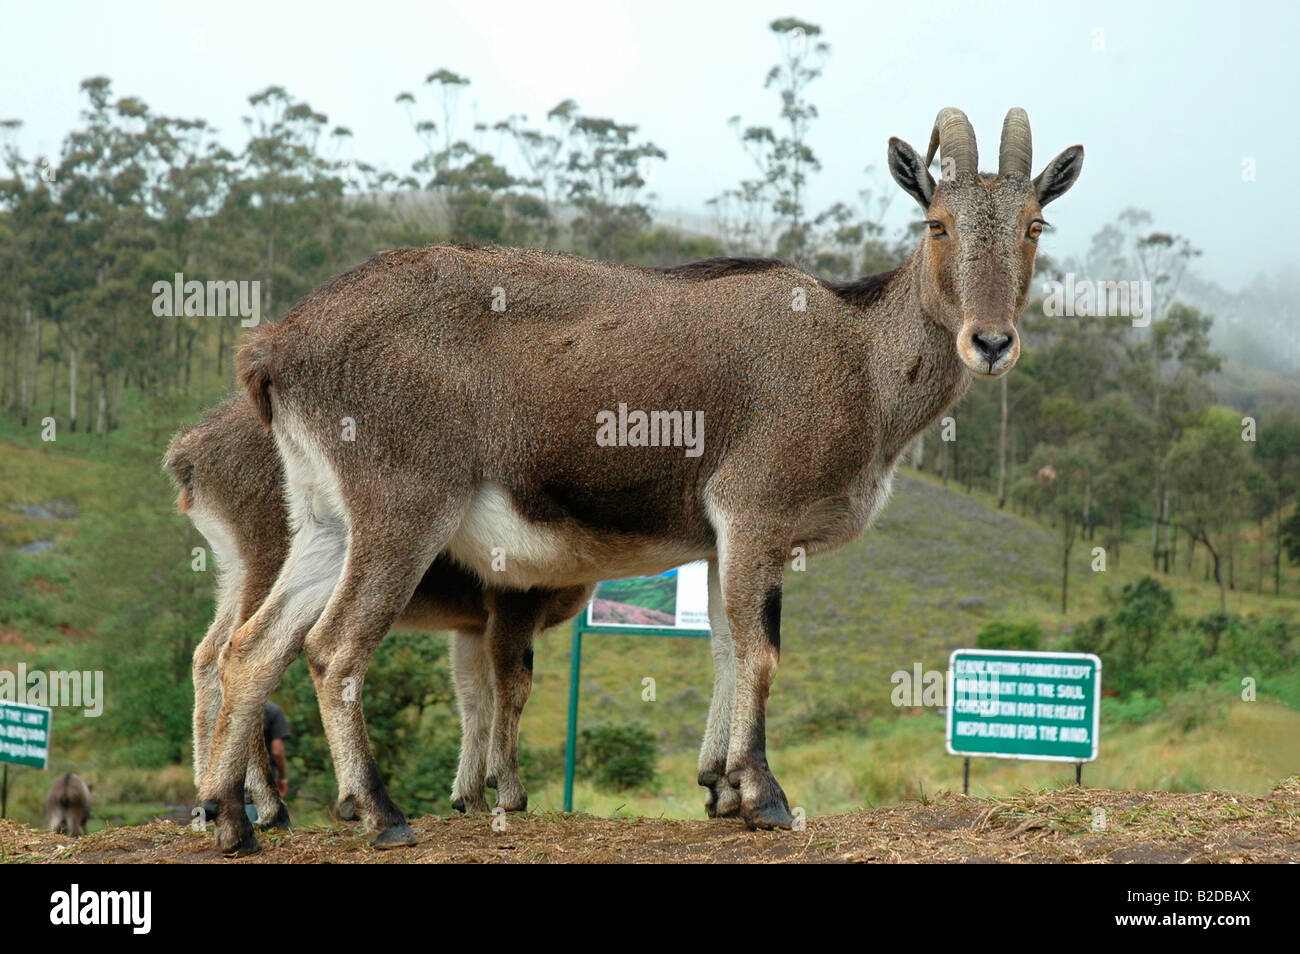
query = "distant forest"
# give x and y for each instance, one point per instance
(1103, 428)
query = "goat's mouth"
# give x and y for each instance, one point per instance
(988, 354)
(985, 369)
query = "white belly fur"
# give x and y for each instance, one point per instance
(495, 541)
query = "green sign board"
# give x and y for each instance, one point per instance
(24, 734)
(1023, 705)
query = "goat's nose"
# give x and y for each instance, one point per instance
(991, 347)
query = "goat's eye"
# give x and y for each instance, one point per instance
(936, 228)
(1035, 230)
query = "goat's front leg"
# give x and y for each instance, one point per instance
(723, 800)
(752, 571)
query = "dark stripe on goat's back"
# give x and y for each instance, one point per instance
(710, 268)
(864, 292)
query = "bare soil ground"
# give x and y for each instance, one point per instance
(1046, 826)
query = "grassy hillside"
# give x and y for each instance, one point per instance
(116, 591)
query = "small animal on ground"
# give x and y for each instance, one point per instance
(67, 807)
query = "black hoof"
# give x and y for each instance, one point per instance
(280, 822)
(521, 806)
(774, 814)
(346, 810)
(211, 809)
(726, 801)
(491, 781)
(470, 804)
(247, 845)
(769, 817)
(394, 836)
(723, 800)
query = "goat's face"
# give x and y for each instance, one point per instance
(981, 233)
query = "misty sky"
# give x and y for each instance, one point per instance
(1168, 109)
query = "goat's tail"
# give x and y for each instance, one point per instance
(254, 366)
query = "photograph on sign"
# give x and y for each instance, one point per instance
(1024, 705)
(678, 599)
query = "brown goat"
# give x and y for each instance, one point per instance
(231, 487)
(67, 807)
(485, 433)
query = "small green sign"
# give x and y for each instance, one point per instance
(25, 734)
(1024, 705)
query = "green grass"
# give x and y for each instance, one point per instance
(939, 565)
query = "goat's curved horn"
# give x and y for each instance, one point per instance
(1016, 151)
(954, 137)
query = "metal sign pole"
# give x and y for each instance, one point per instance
(965, 777)
(571, 735)
(4, 794)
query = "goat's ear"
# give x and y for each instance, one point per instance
(909, 171)
(1059, 175)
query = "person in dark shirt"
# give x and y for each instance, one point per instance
(275, 729)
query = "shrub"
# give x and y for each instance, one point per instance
(996, 635)
(1137, 709)
(617, 757)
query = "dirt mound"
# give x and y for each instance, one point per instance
(1061, 826)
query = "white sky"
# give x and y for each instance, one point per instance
(1180, 94)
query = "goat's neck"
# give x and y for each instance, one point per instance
(915, 371)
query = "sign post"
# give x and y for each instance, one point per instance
(24, 740)
(1024, 705)
(675, 603)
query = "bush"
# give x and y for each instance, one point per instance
(1026, 636)
(617, 757)
(1196, 707)
(1137, 709)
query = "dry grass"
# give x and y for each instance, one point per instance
(1043, 826)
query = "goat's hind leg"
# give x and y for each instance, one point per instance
(207, 679)
(513, 620)
(384, 564)
(251, 666)
(471, 673)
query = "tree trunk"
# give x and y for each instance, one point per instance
(1087, 502)
(1218, 574)
(1155, 533)
(24, 394)
(1260, 559)
(1002, 449)
(90, 391)
(1232, 560)
(1065, 569)
(1166, 519)
(101, 415)
(115, 400)
(1277, 552)
(72, 387)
